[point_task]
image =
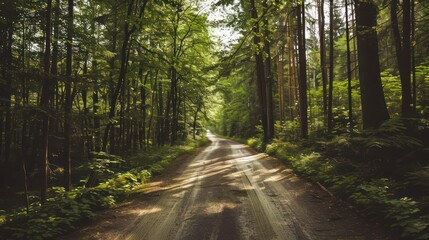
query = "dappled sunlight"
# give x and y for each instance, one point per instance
(143, 212)
(237, 146)
(275, 178)
(250, 158)
(218, 207)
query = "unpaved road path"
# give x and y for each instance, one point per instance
(228, 191)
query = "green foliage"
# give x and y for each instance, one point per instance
(58, 215)
(66, 210)
(103, 164)
(375, 197)
(417, 183)
(256, 143)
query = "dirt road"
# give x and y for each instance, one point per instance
(227, 191)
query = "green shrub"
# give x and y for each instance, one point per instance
(403, 213)
(60, 213)
(272, 148)
(256, 143)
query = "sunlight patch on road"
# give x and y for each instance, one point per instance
(250, 158)
(142, 212)
(217, 208)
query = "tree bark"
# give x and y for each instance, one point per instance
(374, 110)
(302, 70)
(331, 65)
(349, 68)
(44, 104)
(323, 67)
(260, 72)
(268, 75)
(68, 99)
(403, 52)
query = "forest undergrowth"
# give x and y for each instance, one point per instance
(111, 180)
(383, 173)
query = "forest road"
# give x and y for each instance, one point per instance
(227, 191)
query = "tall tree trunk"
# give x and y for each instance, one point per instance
(292, 83)
(44, 104)
(403, 52)
(331, 65)
(374, 110)
(54, 63)
(413, 54)
(95, 107)
(68, 99)
(8, 95)
(268, 74)
(281, 86)
(349, 68)
(260, 72)
(160, 116)
(302, 70)
(153, 104)
(323, 67)
(194, 122)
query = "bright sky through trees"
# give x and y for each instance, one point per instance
(225, 35)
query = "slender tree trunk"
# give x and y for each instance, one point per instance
(281, 87)
(403, 52)
(302, 70)
(323, 67)
(54, 64)
(413, 54)
(143, 105)
(194, 122)
(292, 70)
(8, 95)
(260, 72)
(374, 110)
(349, 68)
(95, 107)
(268, 75)
(331, 65)
(44, 104)
(161, 119)
(153, 104)
(68, 99)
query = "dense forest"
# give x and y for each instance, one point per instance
(97, 95)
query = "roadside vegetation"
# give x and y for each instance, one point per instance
(113, 179)
(383, 172)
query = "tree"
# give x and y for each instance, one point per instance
(260, 73)
(44, 104)
(331, 65)
(403, 52)
(349, 68)
(374, 110)
(302, 77)
(268, 74)
(68, 98)
(323, 66)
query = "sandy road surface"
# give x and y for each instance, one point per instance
(227, 191)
